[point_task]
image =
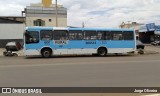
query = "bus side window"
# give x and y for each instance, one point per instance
(90, 35)
(107, 35)
(128, 35)
(117, 35)
(75, 35)
(103, 35)
(60, 35)
(46, 35)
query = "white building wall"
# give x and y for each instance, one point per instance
(38, 11)
(62, 22)
(11, 31)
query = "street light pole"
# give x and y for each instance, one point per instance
(56, 14)
(83, 23)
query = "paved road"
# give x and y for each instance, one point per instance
(84, 71)
(110, 71)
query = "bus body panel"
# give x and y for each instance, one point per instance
(79, 46)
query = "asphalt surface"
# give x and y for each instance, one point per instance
(81, 71)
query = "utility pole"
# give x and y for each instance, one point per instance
(56, 14)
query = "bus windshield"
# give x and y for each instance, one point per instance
(31, 37)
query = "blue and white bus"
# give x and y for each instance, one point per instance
(48, 41)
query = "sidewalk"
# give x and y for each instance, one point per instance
(20, 53)
(152, 49)
(1, 51)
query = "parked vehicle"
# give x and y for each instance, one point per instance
(12, 48)
(155, 43)
(140, 47)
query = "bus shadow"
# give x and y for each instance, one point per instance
(81, 56)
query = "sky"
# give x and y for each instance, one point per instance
(96, 13)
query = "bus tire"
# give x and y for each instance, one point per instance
(46, 53)
(102, 51)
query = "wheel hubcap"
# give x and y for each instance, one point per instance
(46, 53)
(102, 52)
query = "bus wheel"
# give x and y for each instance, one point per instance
(102, 51)
(46, 53)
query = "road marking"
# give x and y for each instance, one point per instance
(76, 63)
(152, 95)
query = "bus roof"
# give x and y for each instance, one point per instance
(110, 29)
(67, 28)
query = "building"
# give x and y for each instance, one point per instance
(10, 30)
(44, 14)
(157, 33)
(13, 18)
(149, 33)
(133, 25)
(146, 33)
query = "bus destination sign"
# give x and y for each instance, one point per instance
(61, 42)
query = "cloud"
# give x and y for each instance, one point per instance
(14, 7)
(104, 13)
(111, 13)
